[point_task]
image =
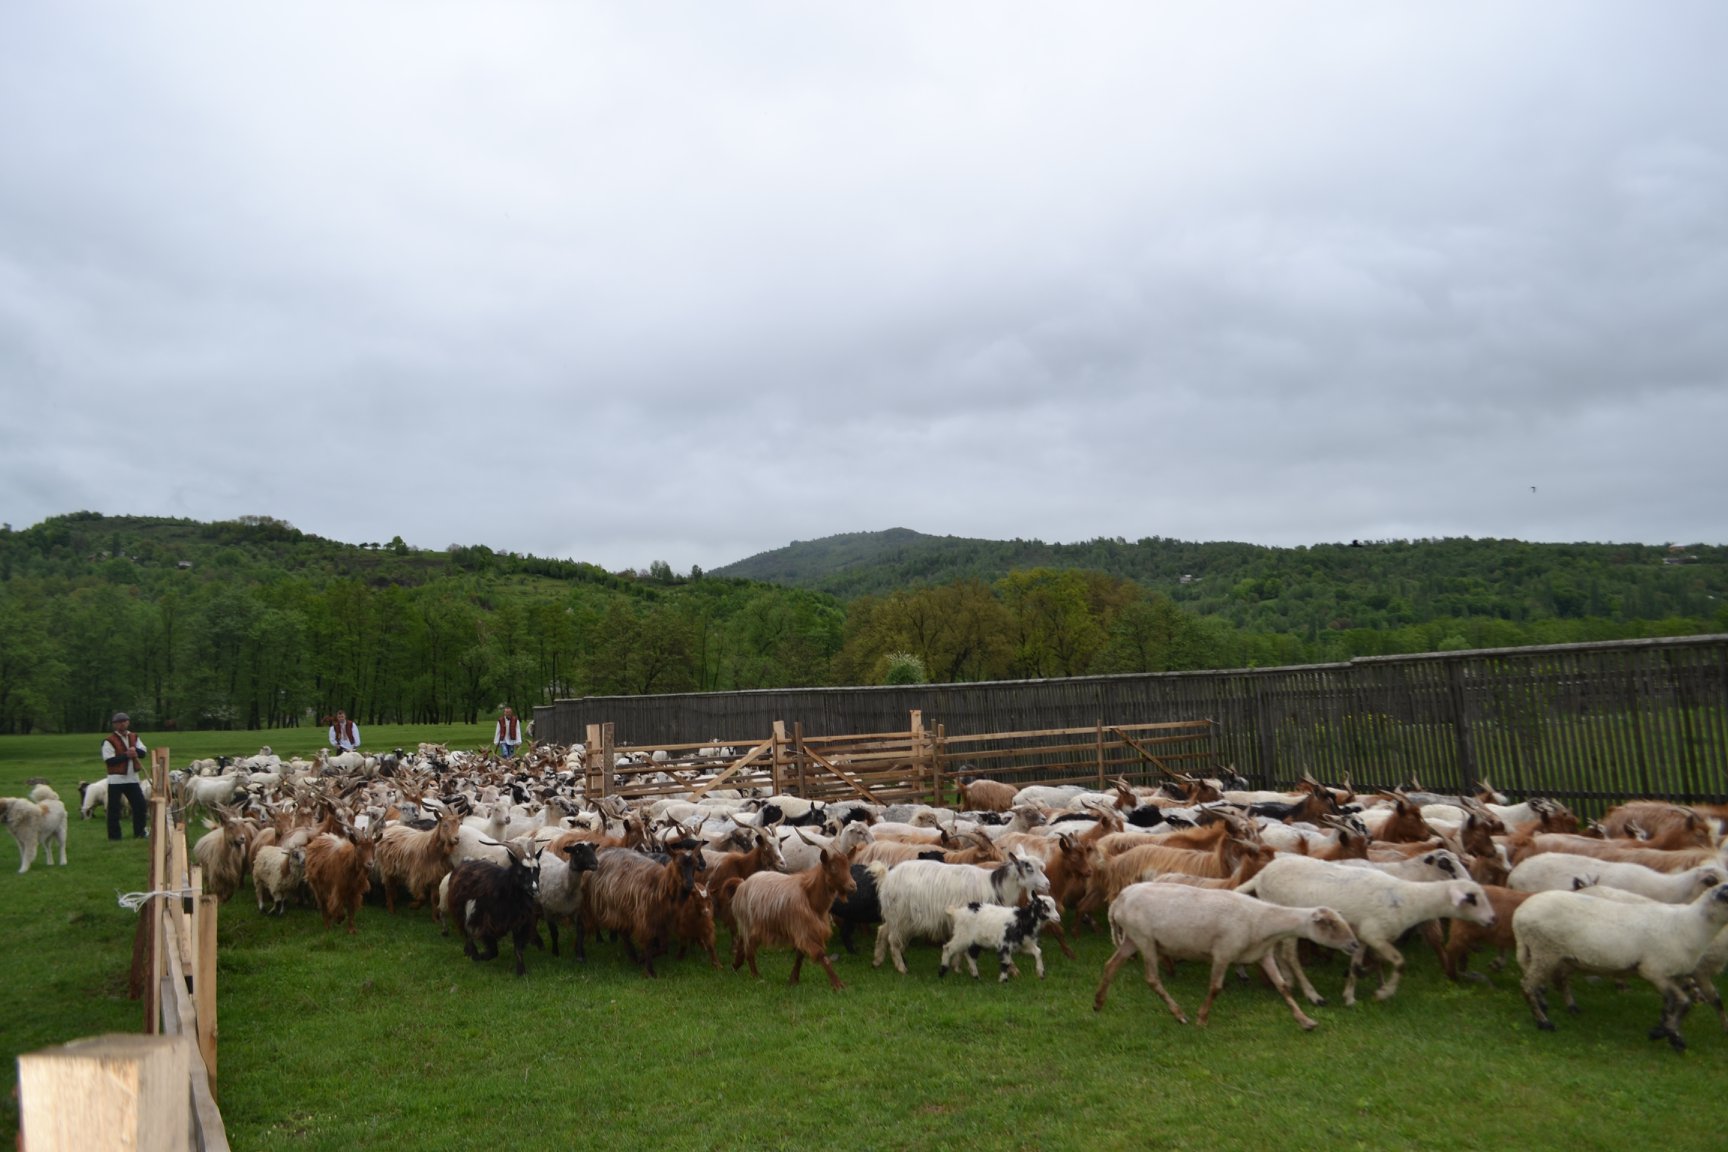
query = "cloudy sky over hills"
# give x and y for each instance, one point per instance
(689, 281)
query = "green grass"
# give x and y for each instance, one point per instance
(392, 1038)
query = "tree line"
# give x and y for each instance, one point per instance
(252, 624)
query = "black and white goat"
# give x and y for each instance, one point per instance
(490, 901)
(1004, 931)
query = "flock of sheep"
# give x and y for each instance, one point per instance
(1192, 870)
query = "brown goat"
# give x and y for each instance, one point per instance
(1464, 936)
(1405, 824)
(337, 873)
(772, 908)
(987, 795)
(416, 860)
(1657, 824)
(640, 898)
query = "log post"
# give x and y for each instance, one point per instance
(607, 760)
(938, 757)
(589, 760)
(120, 1092)
(204, 984)
(778, 761)
(918, 741)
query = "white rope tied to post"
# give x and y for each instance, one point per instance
(133, 901)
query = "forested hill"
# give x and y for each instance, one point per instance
(1360, 584)
(252, 623)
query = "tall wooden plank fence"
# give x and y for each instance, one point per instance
(1589, 724)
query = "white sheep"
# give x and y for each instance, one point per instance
(1379, 909)
(1440, 864)
(1561, 932)
(1561, 872)
(1004, 931)
(1048, 795)
(915, 897)
(94, 795)
(277, 873)
(1215, 925)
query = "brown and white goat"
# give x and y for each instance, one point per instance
(777, 909)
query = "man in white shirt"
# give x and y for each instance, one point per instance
(121, 749)
(344, 733)
(508, 733)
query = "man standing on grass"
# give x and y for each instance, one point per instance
(508, 734)
(121, 749)
(344, 733)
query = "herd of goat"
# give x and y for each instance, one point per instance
(1195, 869)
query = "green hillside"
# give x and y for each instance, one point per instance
(252, 623)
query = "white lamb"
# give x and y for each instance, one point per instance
(1562, 932)
(915, 897)
(1003, 931)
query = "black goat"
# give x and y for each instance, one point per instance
(491, 901)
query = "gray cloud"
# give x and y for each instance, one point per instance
(687, 282)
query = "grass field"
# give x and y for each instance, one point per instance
(392, 1038)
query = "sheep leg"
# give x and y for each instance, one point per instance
(490, 952)
(1389, 984)
(1117, 958)
(1535, 988)
(881, 945)
(1037, 957)
(1289, 957)
(1706, 991)
(1220, 969)
(737, 952)
(797, 966)
(949, 955)
(1269, 965)
(390, 897)
(1675, 1005)
(1150, 952)
(972, 961)
(1004, 964)
(552, 928)
(750, 957)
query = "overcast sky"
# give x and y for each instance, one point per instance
(686, 282)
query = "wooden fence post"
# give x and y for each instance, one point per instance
(778, 761)
(938, 759)
(590, 760)
(608, 758)
(915, 727)
(798, 747)
(1466, 738)
(204, 984)
(1100, 754)
(120, 1091)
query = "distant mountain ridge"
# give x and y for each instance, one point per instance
(1372, 583)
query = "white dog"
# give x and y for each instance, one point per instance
(33, 821)
(53, 821)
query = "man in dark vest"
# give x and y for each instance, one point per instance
(508, 734)
(344, 733)
(121, 750)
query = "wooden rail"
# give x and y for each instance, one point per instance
(913, 764)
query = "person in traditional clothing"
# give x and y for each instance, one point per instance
(344, 733)
(508, 734)
(121, 749)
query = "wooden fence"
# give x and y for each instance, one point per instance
(157, 1090)
(914, 764)
(1589, 724)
